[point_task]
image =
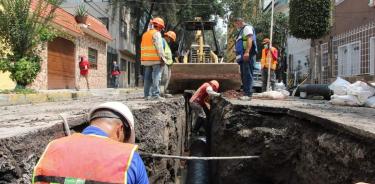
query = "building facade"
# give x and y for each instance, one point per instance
(349, 49)
(60, 57)
(122, 47)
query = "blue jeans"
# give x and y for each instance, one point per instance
(247, 72)
(152, 79)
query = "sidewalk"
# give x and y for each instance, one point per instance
(59, 95)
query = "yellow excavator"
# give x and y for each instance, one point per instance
(200, 60)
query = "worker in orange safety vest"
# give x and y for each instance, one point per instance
(267, 54)
(103, 153)
(153, 59)
(200, 101)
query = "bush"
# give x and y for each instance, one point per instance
(309, 19)
(24, 71)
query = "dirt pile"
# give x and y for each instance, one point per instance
(294, 147)
(27, 129)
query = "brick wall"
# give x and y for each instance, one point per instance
(41, 80)
(97, 77)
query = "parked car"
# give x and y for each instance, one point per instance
(257, 83)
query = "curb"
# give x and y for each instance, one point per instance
(19, 99)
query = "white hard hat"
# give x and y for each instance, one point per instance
(120, 108)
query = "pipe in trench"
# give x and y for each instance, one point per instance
(198, 170)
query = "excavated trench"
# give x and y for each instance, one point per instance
(294, 146)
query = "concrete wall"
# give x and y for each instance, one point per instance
(6, 82)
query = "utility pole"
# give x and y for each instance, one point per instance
(270, 49)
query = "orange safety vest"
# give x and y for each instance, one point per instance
(84, 159)
(148, 49)
(264, 60)
(201, 95)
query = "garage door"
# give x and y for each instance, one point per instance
(61, 67)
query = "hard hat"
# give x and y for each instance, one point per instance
(171, 35)
(265, 41)
(214, 85)
(158, 21)
(122, 110)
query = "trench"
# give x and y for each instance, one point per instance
(293, 147)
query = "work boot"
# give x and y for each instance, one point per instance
(147, 98)
(245, 98)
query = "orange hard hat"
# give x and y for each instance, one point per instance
(265, 41)
(158, 21)
(171, 35)
(214, 85)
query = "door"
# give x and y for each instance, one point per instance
(61, 64)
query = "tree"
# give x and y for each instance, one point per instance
(309, 19)
(24, 27)
(262, 24)
(174, 13)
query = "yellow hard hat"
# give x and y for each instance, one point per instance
(171, 35)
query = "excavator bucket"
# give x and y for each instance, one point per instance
(189, 76)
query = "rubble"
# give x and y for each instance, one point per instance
(298, 141)
(25, 130)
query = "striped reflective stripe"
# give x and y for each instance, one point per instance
(66, 180)
(129, 163)
(149, 54)
(148, 48)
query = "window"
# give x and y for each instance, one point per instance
(105, 21)
(324, 62)
(372, 55)
(349, 59)
(337, 2)
(93, 58)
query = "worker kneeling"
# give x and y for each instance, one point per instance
(103, 153)
(200, 101)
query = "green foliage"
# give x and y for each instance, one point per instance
(262, 25)
(23, 71)
(25, 26)
(81, 10)
(309, 19)
(18, 91)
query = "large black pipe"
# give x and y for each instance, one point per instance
(316, 90)
(198, 170)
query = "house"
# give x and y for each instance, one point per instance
(60, 57)
(119, 24)
(349, 49)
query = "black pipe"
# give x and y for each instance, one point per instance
(316, 90)
(198, 170)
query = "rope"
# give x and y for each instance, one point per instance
(197, 158)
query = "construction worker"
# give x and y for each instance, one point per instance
(246, 51)
(103, 153)
(153, 59)
(272, 55)
(199, 102)
(169, 37)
